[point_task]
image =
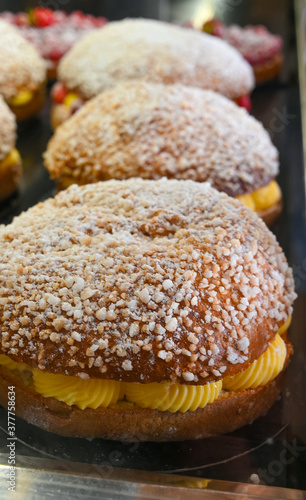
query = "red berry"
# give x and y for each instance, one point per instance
(21, 19)
(213, 27)
(245, 102)
(42, 17)
(55, 54)
(58, 92)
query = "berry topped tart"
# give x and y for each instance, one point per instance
(53, 32)
(257, 45)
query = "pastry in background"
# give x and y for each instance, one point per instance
(53, 32)
(23, 73)
(262, 49)
(142, 310)
(151, 51)
(10, 162)
(153, 130)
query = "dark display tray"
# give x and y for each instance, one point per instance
(273, 447)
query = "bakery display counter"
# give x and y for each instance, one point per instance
(266, 459)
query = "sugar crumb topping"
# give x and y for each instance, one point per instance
(65, 309)
(174, 131)
(154, 51)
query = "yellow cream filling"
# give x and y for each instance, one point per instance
(263, 198)
(173, 397)
(21, 98)
(11, 159)
(70, 99)
(12, 365)
(84, 393)
(262, 370)
(285, 326)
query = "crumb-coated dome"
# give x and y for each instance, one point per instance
(152, 130)
(7, 129)
(22, 68)
(142, 281)
(154, 51)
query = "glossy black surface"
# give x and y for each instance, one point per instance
(274, 447)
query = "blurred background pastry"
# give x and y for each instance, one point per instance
(53, 32)
(10, 162)
(262, 49)
(153, 130)
(152, 51)
(23, 73)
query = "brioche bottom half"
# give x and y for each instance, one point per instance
(30, 108)
(269, 69)
(130, 423)
(270, 215)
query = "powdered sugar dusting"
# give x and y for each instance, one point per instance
(154, 51)
(120, 332)
(21, 65)
(153, 130)
(7, 130)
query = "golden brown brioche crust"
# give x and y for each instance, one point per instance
(269, 69)
(10, 178)
(153, 51)
(229, 412)
(32, 107)
(151, 130)
(22, 68)
(141, 281)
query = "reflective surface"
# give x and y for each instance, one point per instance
(76, 481)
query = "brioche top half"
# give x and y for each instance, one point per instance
(141, 281)
(22, 68)
(154, 51)
(7, 129)
(153, 130)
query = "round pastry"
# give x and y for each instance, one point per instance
(142, 310)
(10, 162)
(152, 51)
(153, 130)
(262, 49)
(53, 32)
(23, 73)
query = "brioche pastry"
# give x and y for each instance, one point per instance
(167, 286)
(23, 73)
(152, 51)
(10, 162)
(153, 130)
